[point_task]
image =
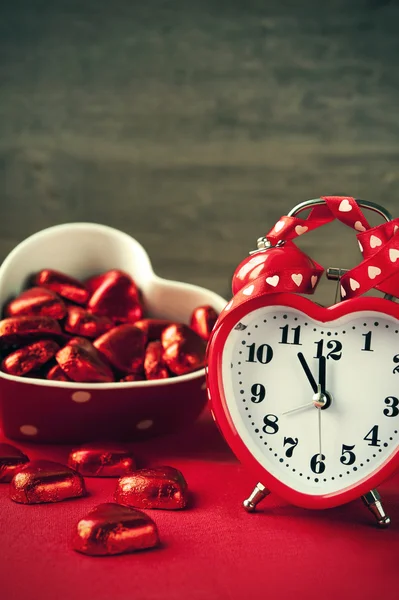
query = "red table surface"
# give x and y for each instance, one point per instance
(213, 550)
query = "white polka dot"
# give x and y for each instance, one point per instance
(28, 429)
(81, 396)
(229, 305)
(203, 386)
(146, 424)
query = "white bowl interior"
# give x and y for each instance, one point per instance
(85, 249)
(78, 249)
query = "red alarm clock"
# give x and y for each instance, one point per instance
(308, 396)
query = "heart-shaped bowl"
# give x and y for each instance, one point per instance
(68, 412)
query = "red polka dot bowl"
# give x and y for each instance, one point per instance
(67, 412)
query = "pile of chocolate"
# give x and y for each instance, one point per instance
(95, 332)
(111, 528)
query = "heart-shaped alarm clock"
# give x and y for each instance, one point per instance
(308, 396)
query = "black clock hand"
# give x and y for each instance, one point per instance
(308, 372)
(322, 374)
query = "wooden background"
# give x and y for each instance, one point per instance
(194, 125)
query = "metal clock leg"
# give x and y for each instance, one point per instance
(373, 502)
(258, 494)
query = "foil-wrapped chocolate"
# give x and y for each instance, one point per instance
(153, 328)
(81, 322)
(82, 362)
(55, 373)
(159, 487)
(111, 529)
(41, 481)
(29, 358)
(36, 301)
(154, 365)
(11, 460)
(102, 460)
(184, 350)
(65, 286)
(203, 320)
(124, 348)
(116, 297)
(17, 330)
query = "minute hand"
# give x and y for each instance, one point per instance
(308, 372)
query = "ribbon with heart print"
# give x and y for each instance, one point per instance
(344, 209)
(296, 272)
(379, 245)
(380, 267)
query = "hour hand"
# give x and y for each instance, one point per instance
(308, 372)
(322, 373)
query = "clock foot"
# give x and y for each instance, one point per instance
(257, 496)
(373, 502)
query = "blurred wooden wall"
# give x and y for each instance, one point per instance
(194, 125)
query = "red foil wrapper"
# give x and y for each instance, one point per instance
(124, 348)
(184, 350)
(17, 330)
(81, 362)
(154, 366)
(203, 320)
(102, 460)
(36, 301)
(116, 298)
(133, 377)
(161, 487)
(94, 282)
(80, 322)
(175, 333)
(67, 287)
(113, 529)
(11, 459)
(153, 328)
(57, 374)
(24, 360)
(43, 481)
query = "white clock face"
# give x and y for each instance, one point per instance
(272, 364)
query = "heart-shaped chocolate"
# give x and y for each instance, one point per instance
(102, 460)
(93, 283)
(123, 347)
(11, 459)
(133, 377)
(202, 321)
(36, 301)
(81, 322)
(43, 481)
(153, 328)
(116, 297)
(57, 374)
(16, 330)
(113, 529)
(184, 350)
(154, 365)
(81, 362)
(160, 487)
(29, 358)
(64, 285)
